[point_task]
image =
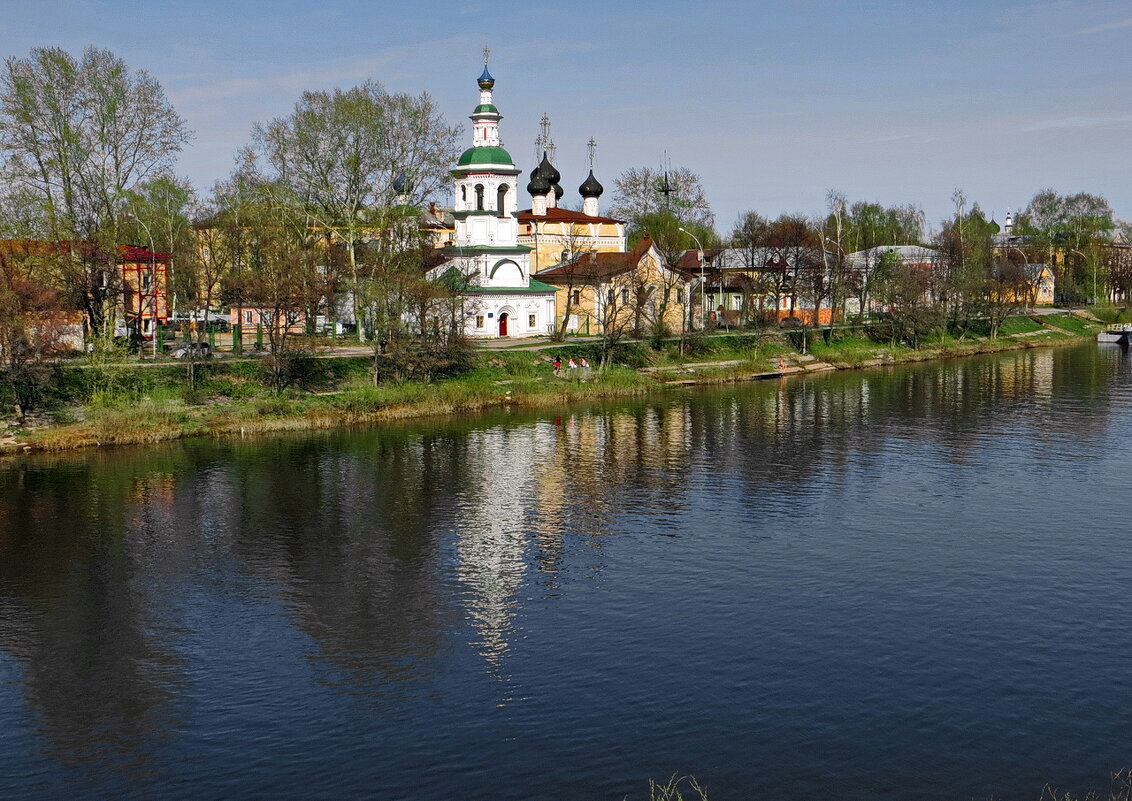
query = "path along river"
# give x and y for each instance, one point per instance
(912, 582)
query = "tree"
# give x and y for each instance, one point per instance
(671, 237)
(750, 240)
(909, 295)
(1064, 223)
(339, 153)
(641, 191)
(801, 248)
(75, 135)
(281, 281)
(31, 320)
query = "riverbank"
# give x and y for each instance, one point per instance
(131, 404)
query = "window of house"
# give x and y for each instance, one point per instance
(679, 295)
(577, 297)
(479, 321)
(248, 317)
(531, 321)
(624, 297)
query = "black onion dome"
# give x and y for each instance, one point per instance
(402, 184)
(590, 187)
(485, 80)
(538, 185)
(547, 169)
(558, 192)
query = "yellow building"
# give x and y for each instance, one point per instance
(557, 235)
(619, 293)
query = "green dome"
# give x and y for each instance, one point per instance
(484, 155)
(486, 108)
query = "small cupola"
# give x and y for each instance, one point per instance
(590, 190)
(485, 80)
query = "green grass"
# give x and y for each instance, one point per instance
(1018, 325)
(130, 403)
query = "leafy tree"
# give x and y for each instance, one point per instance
(1061, 224)
(75, 135)
(909, 295)
(339, 154)
(671, 237)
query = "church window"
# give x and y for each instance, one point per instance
(501, 199)
(479, 321)
(464, 193)
(479, 197)
(530, 321)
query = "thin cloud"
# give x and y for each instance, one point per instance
(1108, 26)
(1078, 122)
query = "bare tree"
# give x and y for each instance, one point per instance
(641, 191)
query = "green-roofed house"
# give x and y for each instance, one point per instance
(486, 258)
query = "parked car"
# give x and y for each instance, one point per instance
(199, 350)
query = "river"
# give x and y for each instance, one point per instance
(910, 582)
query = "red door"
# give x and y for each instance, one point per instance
(503, 324)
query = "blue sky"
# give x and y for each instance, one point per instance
(772, 103)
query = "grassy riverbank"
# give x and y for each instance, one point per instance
(93, 405)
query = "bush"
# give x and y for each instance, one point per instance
(423, 361)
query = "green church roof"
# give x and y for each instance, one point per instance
(486, 108)
(484, 155)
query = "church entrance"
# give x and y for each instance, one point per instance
(503, 324)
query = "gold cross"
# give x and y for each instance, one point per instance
(486, 55)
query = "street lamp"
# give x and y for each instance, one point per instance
(152, 286)
(836, 280)
(1025, 277)
(700, 254)
(1086, 258)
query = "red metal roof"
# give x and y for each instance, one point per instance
(563, 215)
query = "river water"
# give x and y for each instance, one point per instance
(899, 583)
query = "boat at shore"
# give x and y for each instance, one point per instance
(1120, 334)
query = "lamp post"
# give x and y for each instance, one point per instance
(835, 285)
(1025, 261)
(703, 299)
(1086, 258)
(152, 286)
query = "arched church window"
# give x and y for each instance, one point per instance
(479, 197)
(501, 199)
(464, 193)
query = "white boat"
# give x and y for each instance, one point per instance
(1121, 333)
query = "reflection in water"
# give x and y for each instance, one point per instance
(389, 551)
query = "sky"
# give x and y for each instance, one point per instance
(773, 104)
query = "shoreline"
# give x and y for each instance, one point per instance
(144, 424)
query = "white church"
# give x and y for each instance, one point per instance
(503, 299)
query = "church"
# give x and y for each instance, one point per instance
(496, 250)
